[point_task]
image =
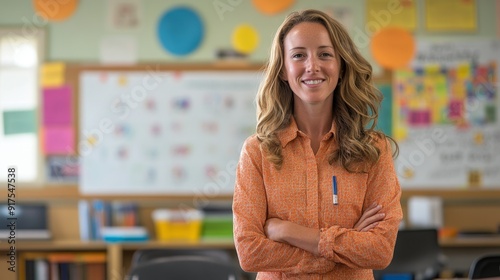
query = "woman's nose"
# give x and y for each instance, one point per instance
(312, 65)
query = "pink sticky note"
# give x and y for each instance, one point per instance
(57, 106)
(58, 140)
(455, 109)
(420, 117)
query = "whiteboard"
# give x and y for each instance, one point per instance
(170, 132)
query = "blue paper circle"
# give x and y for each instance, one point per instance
(180, 30)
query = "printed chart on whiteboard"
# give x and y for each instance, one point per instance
(445, 116)
(164, 133)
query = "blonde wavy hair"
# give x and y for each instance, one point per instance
(356, 101)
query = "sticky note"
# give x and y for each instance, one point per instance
(57, 106)
(58, 140)
(52, 74)
(18, 122)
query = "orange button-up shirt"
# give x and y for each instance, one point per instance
(301, 192)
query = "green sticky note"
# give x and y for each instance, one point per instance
(17, 122)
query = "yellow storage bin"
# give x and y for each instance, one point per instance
(174, 224)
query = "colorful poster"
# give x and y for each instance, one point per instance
(446, 116)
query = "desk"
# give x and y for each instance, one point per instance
(462, 251)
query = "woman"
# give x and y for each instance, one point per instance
(315, 107)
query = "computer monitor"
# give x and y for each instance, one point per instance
(24, 221)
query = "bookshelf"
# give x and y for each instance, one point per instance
(118, 255)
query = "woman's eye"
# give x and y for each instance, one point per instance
(298, 55)
(326, 55)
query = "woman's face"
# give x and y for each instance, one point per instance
(312, 65)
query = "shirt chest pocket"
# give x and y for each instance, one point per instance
(351, 190)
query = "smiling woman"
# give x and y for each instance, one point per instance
(316, 183)
(311, 69)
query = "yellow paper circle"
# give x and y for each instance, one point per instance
(245, 39)
(55, 10)
(271, 7)
(393, 47)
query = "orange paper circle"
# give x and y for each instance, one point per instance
(245, 39)
(393, 47)
(272, 7)
(55, 10)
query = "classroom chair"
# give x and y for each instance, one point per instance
(416, 253)
(487, 266)
(184, 268)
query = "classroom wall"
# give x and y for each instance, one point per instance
(78, 38)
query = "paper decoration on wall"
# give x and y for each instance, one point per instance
(180, 30)
(272, 7)
(341, 13)
(245, 38)
(19, 122)
(57, 106)
(393, 47)
(58, 140)
(390, 13)
(118, 49)
(124, 14)
(52, 74)
(55, 10)
(451, 15)
(57, 133)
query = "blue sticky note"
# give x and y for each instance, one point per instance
(180, 30)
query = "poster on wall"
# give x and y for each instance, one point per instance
(177, 132)
(445, 116)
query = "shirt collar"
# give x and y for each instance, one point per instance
(292, 131)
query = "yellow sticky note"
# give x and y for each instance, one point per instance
(463, 71)
(432, 69)
(400, 133)
(52, 74)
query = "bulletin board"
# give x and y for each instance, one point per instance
(445, 116)
(170, 130)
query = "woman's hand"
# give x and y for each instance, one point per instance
(274, 229)
(370, 218)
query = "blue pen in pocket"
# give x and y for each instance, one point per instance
(335, 194)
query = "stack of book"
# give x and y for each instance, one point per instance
(97, 216)
(64, 266)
